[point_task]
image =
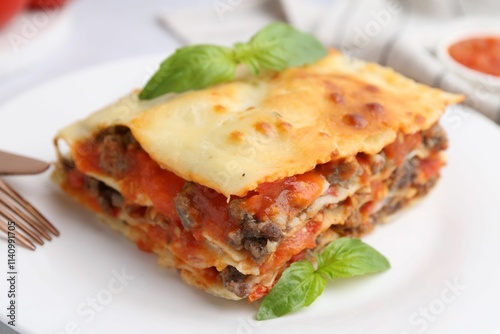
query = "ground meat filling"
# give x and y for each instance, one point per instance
(404, 175)
(402, 178)
(253, 235)
(108, 198)
(435, 138)
(343, 172)
(113, 145)
(234, 281)
(185, 204)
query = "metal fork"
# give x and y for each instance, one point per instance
(26, 218)
(22, 221)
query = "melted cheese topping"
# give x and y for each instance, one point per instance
(237, 135)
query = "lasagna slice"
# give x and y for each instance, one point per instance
(231, 184)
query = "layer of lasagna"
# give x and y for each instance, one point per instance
(290, 162)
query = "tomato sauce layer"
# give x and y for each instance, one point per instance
(144, 177)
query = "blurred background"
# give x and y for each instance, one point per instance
(44, 39)
(39, 44)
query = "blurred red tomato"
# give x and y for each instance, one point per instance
(46, 4)
(9, 9)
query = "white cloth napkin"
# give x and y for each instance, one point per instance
(402, 34)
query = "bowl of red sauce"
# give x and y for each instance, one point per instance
(474, 55)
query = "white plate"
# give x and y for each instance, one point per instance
(450, 238)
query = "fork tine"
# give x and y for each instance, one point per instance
(5, 213)
(19, 237)
(33, 223)
(26, 205)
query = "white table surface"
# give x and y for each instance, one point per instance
(99, 31)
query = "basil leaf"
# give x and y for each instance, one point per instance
(301, 284)
(275, 47)
(348, 257)
(298, 286)
(191, 68)
(278, 46)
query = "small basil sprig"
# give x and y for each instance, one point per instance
(275, 47)
(301, 284)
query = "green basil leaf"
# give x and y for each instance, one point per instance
(191, 68)
(348, 257)
(275, 47)
(298, 286)
(278, 46)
